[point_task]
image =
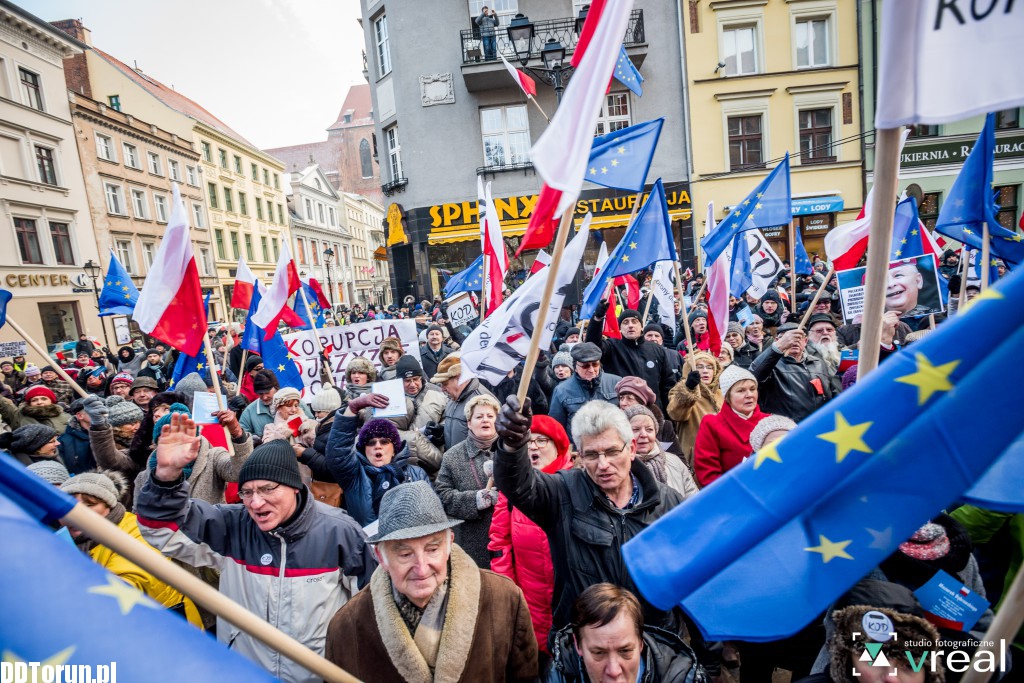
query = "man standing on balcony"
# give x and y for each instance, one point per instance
(488, 23)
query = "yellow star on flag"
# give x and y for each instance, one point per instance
(929, 378)
(1016, 238)
(615, 162)
(625, 258)
(127, 596)
(758, 206)
(593, 171)
(847, 437)
(914, 232)
(759, 195)
(899, 253)
(118, 282)
(903, 241)
(769, 452)
(994, 262)
(621, 150)
(199, 366)
(58, 659)
(604, 169)
(968, 231)
(746, 202)
(280, 368)
(632, 245)
(830, 549)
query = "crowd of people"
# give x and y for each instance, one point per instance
(472, 537)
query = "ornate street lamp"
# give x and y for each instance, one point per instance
(520, 33)
(94, 271)
(328, 260)
(581, 18)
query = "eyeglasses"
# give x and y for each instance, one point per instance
(264, 491)
(592, 456)
(377, 442)
(538, 441)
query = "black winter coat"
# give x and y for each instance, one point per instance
(636, 358)
(667, 659)
(314, 457)
(791, 388)
(510, 385)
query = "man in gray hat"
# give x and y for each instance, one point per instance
(431, 614)
(589, 382)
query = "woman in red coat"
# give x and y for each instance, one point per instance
(723, 438)
(519, 548)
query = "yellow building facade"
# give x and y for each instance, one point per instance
(766, 77)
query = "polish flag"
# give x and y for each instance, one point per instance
(241, 296)
(528, 85)
(542, 260)
(321, 297)
(632, 290)
(562, 152)
(718, 293)
(170, 306)
(493, 246)
(611, 320)
(274, 304)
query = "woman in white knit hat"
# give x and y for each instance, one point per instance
(723, 439)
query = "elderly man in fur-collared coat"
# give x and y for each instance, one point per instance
(430, 614)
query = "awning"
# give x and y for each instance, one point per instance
(832, 204)
(517, 228)
(381, 254)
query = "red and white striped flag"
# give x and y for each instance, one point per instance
(241, 295)
(492, 245)
(542, 259)
(274, 304)
(718, 292)
(528, 85)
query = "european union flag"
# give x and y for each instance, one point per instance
(801, 261)
(314, 305)
(741, 275)
(119, 294)
(621, 159)
(798, 523)
(768, 206)
(647, 240)
(273, 351)
(5, 298)
(58, 625)
(469, 280)
(907, 241)
(627, 74)
(186, 364)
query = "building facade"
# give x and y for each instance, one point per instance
(767, 77)
(933, 155)
(371, 279)
(46, 232)
(447, 112)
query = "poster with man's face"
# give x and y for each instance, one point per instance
(912, 289)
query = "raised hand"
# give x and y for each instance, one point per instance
(514, 423)
(178, 446)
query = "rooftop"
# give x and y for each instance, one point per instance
(357, 110)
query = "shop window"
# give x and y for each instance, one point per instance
(60, 321)
(928, 212)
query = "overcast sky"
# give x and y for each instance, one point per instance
(277, 72)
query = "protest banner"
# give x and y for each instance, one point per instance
(461, 309)
(342, 344)
(765, 265)
(912, 289)
(13, 348)
(122, 331)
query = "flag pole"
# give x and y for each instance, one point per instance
(216, 388)
(1007, 622)
(38, 349)
(647, 308)
(965, 260)
(685, 308)
(483, 291)
(539, 108)
(105, 533)
(986, 255)
(792, 267)
(545, 302)
(887, 160)
(817, 295)
(316, 335)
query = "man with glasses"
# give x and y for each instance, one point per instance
(588, 513)
(588, 383)
(281, 554)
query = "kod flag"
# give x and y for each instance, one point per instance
(961, 43)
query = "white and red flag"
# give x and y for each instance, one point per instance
(542, 259)
(718, 293)
(241, 295)
(492, 245)
(274, 304)
(170, 306)
(528, 85)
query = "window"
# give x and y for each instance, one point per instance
(124, 254)
(161, 207)
(816, 136)
(105, 148)
(614, 113)
(44, 162)
(190, 176)
(1008, 119)
(314, 252)
(280, 215)
(219, 239)
(31, 89)
(365, 159)
(148, 252)
(380, 32)
(300, 251)
(266, 250)
(333, 216)
(131, 156)
(812, 47)
(277, 182)
(223, 155)
(923, 131)
(928, 212)
(229, 204)
(174, 170)
(739, 50)
(207, 151)
(506, 136)
(213, 195)
(115, 102)
(198, 220)
(309, 210)
(395, 152)
(28, 240)
(745, 142)
(234, 245)
(320, 213)
(277, 252)
(248, 248)
(243, 208)
(266, 177)
(255, 171)
(259, 208)
(61, 235)
(115, 199)
(154, 163)
(204, 261)
(238, 164)
(1006, 201)
(139, 204)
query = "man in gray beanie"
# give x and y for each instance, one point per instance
(281, 554)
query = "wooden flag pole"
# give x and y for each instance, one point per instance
(965, 264)
(1000, 633)
(817, 295)
(241, 369)
(887, 160)
(316, 335)
(685, 308)
(647, 308)
(545, 302)
(539, 108)
(986, 255)
(792, 267)
(42, 352)
(108, 534)
(216, 388)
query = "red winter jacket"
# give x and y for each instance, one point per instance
(521, 552)
(723, 441)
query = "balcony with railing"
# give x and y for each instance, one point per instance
(482, 70)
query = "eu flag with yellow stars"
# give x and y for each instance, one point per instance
(627, 74)
(766, 548)
(119, 294)
(273, 350)
(907, 241)
(769, 205)
(646, 241)
(186, 364)
(315, 310)
(622, 158)
(62, 609)
(469, 280)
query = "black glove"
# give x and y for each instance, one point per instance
(514, 424)
(435, 433)
(602, 308)
(692, 380)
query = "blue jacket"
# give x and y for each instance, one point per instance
(361, 482)
(75, 450)
(570, 395)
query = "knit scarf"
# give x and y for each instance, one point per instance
(425, 624)
(86, 544)
(479, 444)
(392, 473)
(655, 461)
(159, 370)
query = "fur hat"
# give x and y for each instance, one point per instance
(363, 365)
(379, 429)
(40, 390)
(449, 368)
(105, 485)
(391, 344)
(52, 471)
(122, 412)
(272, 461)
(638, 387)
(731, 375)
(265, 380)
(327, 400)
(772, 423)
(285, 394)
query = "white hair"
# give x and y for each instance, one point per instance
(596, 417)
(383, 545)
